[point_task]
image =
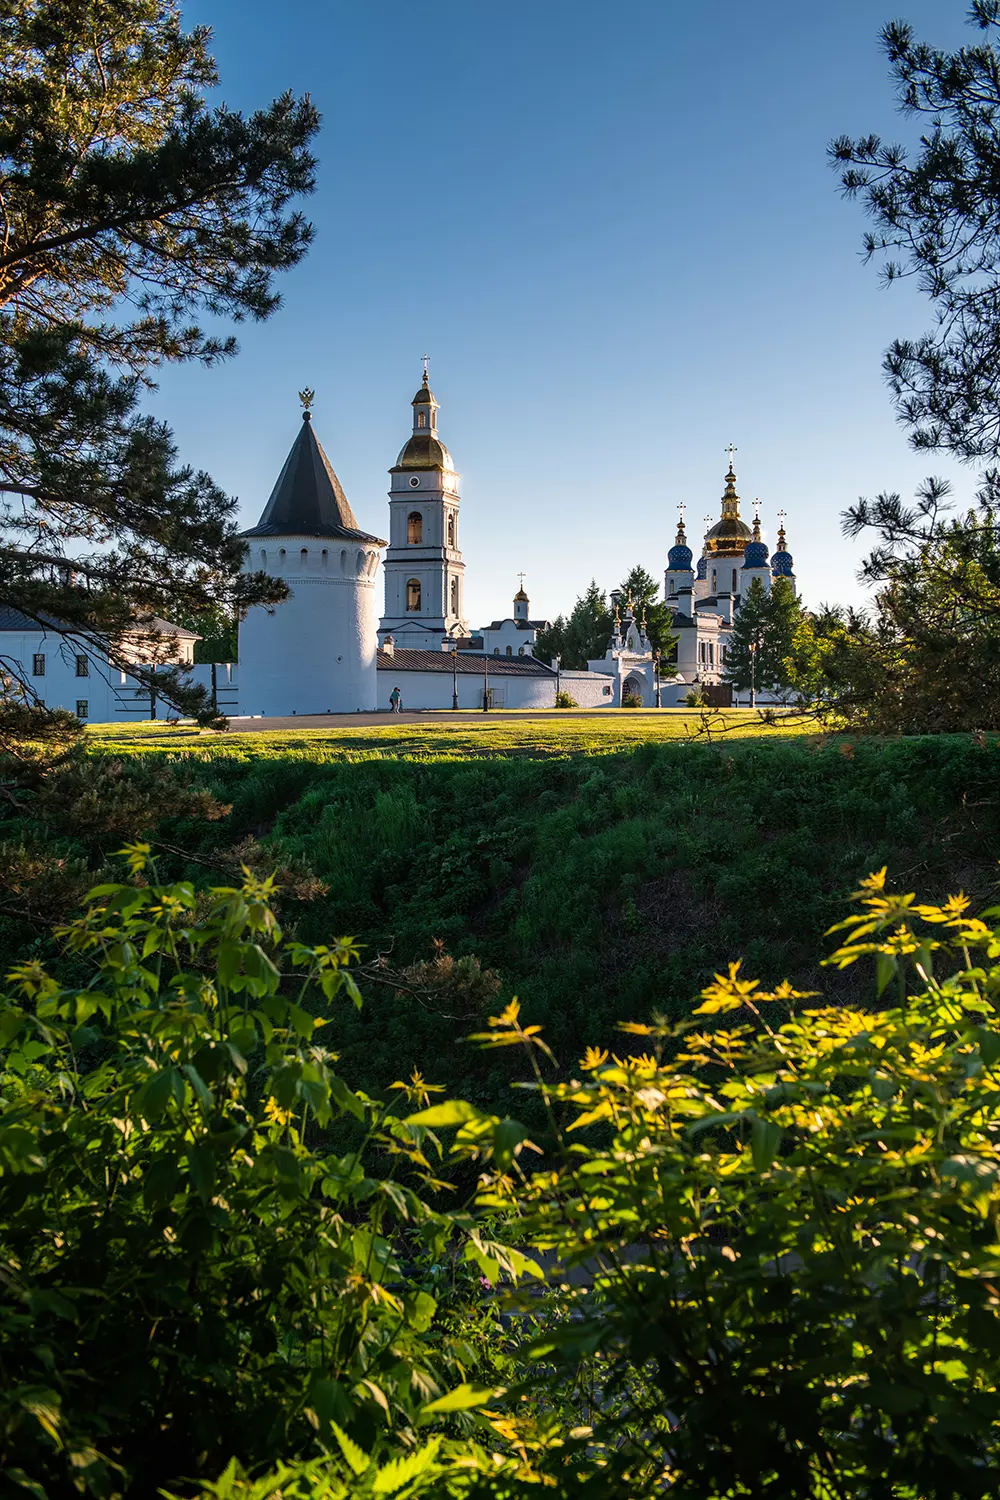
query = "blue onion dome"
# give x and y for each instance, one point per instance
(679, 557)
(755, 555)
(703, 567)
(782, 562)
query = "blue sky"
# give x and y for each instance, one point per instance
(614, 230)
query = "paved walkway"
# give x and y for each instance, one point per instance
(468, 717)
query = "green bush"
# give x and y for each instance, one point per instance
(773, 1235)
(566, 700)
(189, 1272)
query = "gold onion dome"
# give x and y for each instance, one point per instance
(729, 536)
(521, 597)
(424, 450)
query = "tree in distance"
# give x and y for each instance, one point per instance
(581, 638)
(763, 637)
(129, 209)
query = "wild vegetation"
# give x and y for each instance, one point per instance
(597, 871)
(768, 1246)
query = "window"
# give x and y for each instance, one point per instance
(607, 692)
(734, 580)
(304, 556)
(38, 664)
(414, 527)
(454, 596)
(520, 650)
(509, 651)
(715, 586)
(421, 419)
(451, 531)
(82, 708)
(413, 596)
(82, 667)
(496, 650)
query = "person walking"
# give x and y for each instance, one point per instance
(395, 701)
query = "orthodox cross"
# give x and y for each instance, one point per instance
(427, 364)
(682, 508)
(520, 578)
(756, 509)
(731, 450)
(781, 518)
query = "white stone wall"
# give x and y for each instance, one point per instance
(316, 652)
(426, 690)
(104, 694)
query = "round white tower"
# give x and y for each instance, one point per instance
(315, 652)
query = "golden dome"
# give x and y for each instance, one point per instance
(729, 536)
(424, 450)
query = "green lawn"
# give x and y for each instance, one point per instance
(468, 735)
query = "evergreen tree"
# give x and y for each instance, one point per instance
(129, 208)
(648, 603)
(581, 638)
(763, 637)
(937, 218)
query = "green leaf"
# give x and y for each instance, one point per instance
(463, 1398)
(356, 1457)
(420, 1309)
(507, 1136)
(201, 1161)
(160, 1182)
(399, 1471)
(155, 1095)
(989, 1047)
(765, 1138)
(451, 1112)
(346, 1098)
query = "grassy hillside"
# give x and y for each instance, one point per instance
(603, 868)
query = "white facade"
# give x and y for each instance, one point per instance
(315, 652)
(424, 570)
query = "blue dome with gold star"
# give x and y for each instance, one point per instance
(702, 567)
(755, 555)
(680, 555)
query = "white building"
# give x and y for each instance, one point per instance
(424, 571)
(56, 668)
(705, 599)
(323, 651)
(315, 652)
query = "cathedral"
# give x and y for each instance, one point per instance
(322, 651)
(326, 649)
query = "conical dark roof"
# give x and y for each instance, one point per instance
(308, 499)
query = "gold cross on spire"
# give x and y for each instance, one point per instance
(731, 450)
(427, 365)
(520, 579)
(781, 516)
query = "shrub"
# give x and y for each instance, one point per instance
(188, 1273)
(566, 700)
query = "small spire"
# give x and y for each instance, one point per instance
(681, 536)
(756, 520)
(781, 530)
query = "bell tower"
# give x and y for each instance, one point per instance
(424, 571)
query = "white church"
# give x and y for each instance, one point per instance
(325, 650)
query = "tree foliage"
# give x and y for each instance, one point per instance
(647, 601)
(926, 657)
(763, 637)
(129, 209)
(581, 638)
(937, 220)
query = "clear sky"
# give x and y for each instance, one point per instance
(614, 230)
